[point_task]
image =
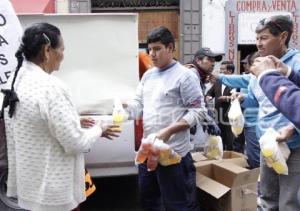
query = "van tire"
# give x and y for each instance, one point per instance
(6, 203)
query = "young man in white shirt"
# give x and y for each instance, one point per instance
(170, 99)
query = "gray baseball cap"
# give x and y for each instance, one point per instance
(208, 52)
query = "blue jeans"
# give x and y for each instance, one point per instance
(174, 186)
(252, 147)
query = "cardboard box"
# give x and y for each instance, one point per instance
(228, 156)
(226, 187)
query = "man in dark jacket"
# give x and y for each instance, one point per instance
(202, 65)
(222, 94)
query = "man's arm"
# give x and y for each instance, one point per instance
(165, 133)
(264, 66)
(134, 107)
(249, 100)
(295, 78)
(283, 93)
(235, 81)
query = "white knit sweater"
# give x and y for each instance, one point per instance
(45, 144)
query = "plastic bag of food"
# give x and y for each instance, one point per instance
(143, 151)
(167, 156)
(274, 153)
(119, 114)
(236, 118)
(214, 148)
(153, 157)
(156, 151)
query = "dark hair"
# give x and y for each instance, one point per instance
(229, 65)
(251, 57)
(197, 56)
(34, 38)
(277, 24)
(161, 34)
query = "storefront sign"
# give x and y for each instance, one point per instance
(241, 15)
(247, 23)
(98, 4)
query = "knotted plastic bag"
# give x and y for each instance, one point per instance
(156, 151)
(274, 153)
(119, 113)
(167, 156)
(236, 118)
(143, 151)
(214, 148)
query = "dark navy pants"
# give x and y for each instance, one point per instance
(173, 186)
(252, 147)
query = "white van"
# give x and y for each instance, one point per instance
(100, 64)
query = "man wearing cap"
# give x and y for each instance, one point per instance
(245, 64)
(202, 65)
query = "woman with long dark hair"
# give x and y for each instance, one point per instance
(45, 140)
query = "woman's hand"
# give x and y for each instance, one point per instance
(110, 131)
(87, 122)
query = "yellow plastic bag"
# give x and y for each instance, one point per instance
(119, 114)
(164, 154)
(274, 153)
(214, 148)
(236, 118)
(167, 156)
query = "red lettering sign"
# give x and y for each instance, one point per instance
(231, 54)
(231, 36)
(264, 6)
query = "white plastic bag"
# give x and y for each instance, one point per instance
(152, 159)
(200, 138)
(143, 151)
(274, 153)
(214, 148)
(236, 118)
